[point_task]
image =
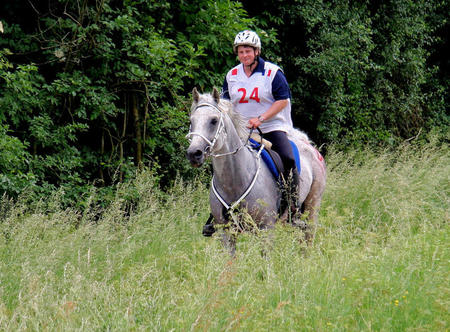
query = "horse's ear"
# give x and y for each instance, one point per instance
(195, 95)
(216, 95)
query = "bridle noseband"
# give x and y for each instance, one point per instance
(209, 148)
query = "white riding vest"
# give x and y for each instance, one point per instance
(252, 96)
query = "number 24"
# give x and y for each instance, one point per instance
(254, 95)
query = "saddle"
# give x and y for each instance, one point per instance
(271, 157)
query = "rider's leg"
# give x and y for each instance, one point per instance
(282, 145)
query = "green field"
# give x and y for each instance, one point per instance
(379, 260)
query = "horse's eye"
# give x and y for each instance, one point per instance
(213, 122)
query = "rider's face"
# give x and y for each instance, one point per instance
(246, 55)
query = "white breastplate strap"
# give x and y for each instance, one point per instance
(230, 207)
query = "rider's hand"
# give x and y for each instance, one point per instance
(254, 122)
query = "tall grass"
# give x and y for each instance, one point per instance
(379, 261)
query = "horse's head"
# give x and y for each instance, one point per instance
(207, 124)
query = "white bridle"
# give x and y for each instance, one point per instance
(220, 129)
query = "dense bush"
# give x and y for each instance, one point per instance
(362, 72)
(90, 91)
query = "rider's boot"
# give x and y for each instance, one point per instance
(208, 228)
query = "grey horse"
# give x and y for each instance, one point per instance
(241, 180)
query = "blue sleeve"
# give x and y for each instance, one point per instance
(280, 87)
(225, 94)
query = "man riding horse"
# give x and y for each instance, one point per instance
(260, 92)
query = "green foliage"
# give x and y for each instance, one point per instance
(103, 87)
(21, 92)
(91, 91)
(360, 71)
(339, 60)
(212, 26)
(15, 174)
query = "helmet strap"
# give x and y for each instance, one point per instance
(255, 60)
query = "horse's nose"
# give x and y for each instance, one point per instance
(195, 156)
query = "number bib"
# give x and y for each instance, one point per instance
(252, 96)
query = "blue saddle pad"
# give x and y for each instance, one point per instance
(269, 161)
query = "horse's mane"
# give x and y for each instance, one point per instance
(236, 118)
(226, 107)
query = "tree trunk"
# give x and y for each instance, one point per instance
(137, 130)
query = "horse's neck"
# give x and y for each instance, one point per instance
(234, 171)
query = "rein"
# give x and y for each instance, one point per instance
(229, 207)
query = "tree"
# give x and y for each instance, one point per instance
(95, 89)
(360, 71)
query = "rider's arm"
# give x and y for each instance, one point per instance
(275, 108)
(281, 94)
(225, 94)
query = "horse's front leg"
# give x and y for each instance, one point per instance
(229, 240)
